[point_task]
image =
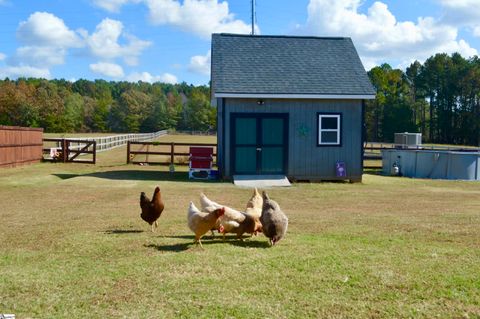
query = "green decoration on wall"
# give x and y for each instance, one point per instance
(303, 130)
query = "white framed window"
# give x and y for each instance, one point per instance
(329, 129)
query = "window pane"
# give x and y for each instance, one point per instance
(329, 137)
(329, 123)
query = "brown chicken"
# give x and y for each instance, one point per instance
(233, 221)
(151, 209)
(248, 225)
(200, 223)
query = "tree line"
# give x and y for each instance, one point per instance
(439, 98)
(101, 106)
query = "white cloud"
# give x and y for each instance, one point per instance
(45, 29)
(202, 17)
(462, 13)
(108, 69)
(14, 72)
(112, 5)
(104, 42)
(378, 35)
(168, 78)
(46, 40)
(476, 31)
(200, 64)
(147, 77)
(39, 56)
(2, 56)
(460, 3)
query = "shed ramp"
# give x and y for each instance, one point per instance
(261, 181)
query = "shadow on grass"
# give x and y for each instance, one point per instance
(251, 243)
(137, 175)
(209, 240)
(372, 171)
(66, 176)
(182, 237)
(172, 248)
(123, 231)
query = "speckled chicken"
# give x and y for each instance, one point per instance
(274, 221)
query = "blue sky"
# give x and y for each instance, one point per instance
(169, 40)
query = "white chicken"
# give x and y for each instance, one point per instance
(255, 204)
(254, 209)
(229, 222)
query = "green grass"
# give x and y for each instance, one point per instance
(73, 246)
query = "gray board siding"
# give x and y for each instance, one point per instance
(287, 65)
(306, 160)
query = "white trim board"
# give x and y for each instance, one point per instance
(296, 96)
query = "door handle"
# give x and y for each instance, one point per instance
(259, 149)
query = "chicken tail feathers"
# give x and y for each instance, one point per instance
(265, 196)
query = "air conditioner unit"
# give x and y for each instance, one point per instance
(406, 139)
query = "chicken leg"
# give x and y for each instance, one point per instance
(198, 242)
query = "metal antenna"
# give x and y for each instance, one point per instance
(253, 17)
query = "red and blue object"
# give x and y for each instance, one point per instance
(201, 161)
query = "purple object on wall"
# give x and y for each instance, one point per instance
(340, 169)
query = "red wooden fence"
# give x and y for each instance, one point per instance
(20, 145)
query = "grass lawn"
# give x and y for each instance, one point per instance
(74, 246)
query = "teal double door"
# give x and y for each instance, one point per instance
(259, 143)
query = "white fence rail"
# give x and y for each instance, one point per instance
(205, 133)
(105, 143)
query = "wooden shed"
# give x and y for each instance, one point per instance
(290, 106)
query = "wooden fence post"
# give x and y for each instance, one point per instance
(94, 152)
(65, 145)
(172, 158)
(146, 156)
(128, 152)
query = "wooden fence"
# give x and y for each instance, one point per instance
(162, 153)
(20, 145)
(69, 150)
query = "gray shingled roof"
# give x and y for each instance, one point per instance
(246, 64)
